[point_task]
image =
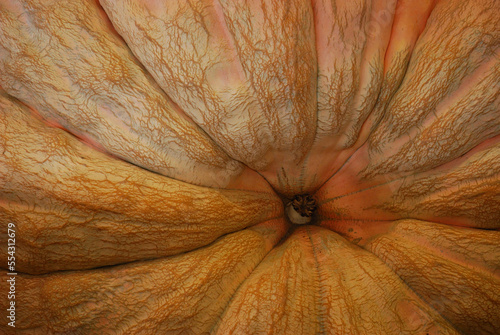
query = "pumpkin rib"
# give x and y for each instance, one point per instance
(465, 253)
(440, 52)
(475, 110)
(439, 278)
(261, 326)
(123, 213)
(321, 298)
(385, 108)
(410, 21)
(151, 291)
(99, 92)
(208, 66)
(340, 47)
(350, 170)
(451, 194)
(343, 45)
(293, 260)
(444, 65)
(263, 229)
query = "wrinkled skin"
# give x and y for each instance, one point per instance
(149, 148)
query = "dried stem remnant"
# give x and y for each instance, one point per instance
(301, 209)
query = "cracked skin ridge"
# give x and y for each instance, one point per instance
(121, 214)
(387, 110)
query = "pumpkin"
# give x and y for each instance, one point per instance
(250, 167)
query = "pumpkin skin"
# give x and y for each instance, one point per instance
(149, 150)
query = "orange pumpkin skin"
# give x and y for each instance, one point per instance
(151, 153)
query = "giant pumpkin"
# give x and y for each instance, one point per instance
(251, 166)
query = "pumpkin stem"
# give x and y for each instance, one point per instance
(301, 209)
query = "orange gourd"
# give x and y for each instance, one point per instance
(251, 167)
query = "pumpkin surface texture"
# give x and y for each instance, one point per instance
(251, 166)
